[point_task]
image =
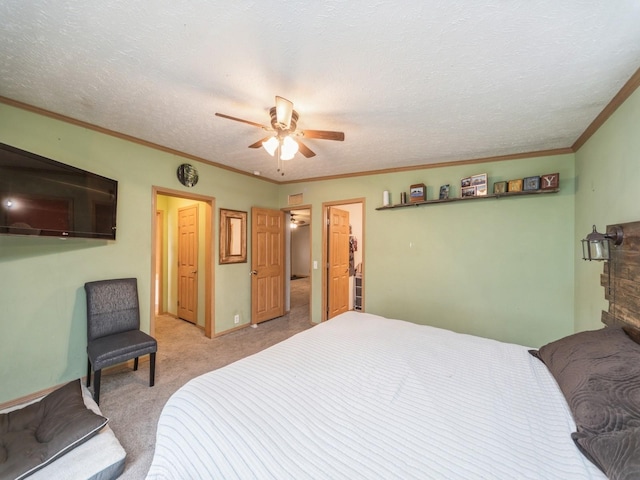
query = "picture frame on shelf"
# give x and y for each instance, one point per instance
(549, 181)
(480, 179)
(468, 192)
(475, 185)
(444, 192)
(531, 183)
(418, 193)
(515, 185)
(499, 187)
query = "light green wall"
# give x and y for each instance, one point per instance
(499, 268)
(608, 186)
(42, 325)
(506, 269)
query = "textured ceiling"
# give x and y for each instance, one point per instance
(409, 82)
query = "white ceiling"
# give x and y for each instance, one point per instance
(409, 82)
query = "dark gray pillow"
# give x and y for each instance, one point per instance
(614, 452)
(599, 374)
(37, 434)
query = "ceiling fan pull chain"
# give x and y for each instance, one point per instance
(280, 164)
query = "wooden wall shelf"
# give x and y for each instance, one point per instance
(462, 199)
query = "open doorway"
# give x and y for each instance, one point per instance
(168, 205)
(298, 264)
(342, 255)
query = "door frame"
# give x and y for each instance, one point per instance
(325, 246)
(288, 252)
(210, 211)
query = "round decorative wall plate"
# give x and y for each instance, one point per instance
(187, 175)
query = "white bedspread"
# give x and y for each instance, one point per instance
(364, 397)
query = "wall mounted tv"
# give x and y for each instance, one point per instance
(40, 196)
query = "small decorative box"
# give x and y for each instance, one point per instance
(531, 183)
(500, 187)
(549, 181)
(515, 185)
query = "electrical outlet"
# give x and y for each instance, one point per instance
(236, 318)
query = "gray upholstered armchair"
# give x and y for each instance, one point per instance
(113, 329)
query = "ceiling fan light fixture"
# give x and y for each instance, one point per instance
(271, 145)
(284, 122)
(284, 110)
(289, 148)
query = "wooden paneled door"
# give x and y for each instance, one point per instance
(267, 264)
(338, 255)
(188, 263)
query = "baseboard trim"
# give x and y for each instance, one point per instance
(231, 330)
(128, 365)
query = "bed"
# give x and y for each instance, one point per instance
(362, 397)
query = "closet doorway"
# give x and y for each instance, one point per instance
(164, 275)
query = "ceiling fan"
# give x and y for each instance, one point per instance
(296, 221)
(284, 120)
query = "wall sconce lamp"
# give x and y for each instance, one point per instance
(596, 245)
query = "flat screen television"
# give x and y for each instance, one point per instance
(43, 197)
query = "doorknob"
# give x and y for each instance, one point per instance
(253, 272)
(194, 272)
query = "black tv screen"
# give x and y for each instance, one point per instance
(40, 196)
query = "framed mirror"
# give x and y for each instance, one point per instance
(233, 236)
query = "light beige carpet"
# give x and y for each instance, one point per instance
(184, 352)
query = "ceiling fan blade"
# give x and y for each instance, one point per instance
(304, 150)
(258, 144)
(284, 110)
(323, 135)
(242, 120)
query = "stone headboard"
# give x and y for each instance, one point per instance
(621, 279)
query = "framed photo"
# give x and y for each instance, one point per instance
(468, 192)
(549, 181)
(481, 190)
(465, 182)
(515, 185)
(531, 183)
(499, 187)
(479, 179)
(444, 192)
(418, 192)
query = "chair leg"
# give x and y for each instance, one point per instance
(152, 369)
(88, 373)
(135, 363)
(96, 387)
